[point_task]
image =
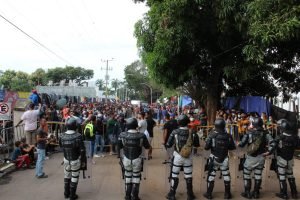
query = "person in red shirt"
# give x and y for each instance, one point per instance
(193, 126)
(65, 113)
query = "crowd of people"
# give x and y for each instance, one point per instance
(107, 128)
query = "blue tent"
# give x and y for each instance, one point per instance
(249, 104)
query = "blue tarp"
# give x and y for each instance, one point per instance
(186, 100)
(249, 104)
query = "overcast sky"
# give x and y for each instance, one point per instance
(79, 32)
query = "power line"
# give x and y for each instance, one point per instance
(35, 40)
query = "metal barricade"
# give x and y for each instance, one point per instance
(7, 146)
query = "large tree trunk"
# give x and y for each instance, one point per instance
(213, 95)
(211, 105)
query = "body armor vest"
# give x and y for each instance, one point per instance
(132, 144)
(220, 146)
(181, 137)
(286, 146)
(72, 144)
(258, 135)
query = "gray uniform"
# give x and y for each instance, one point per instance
(132, 142)
(179, 138)
(257, 140)
(74, 151)
(286, 144)
(219, 142)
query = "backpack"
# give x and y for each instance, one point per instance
(254, 146)
(89, 130)
(186, 150)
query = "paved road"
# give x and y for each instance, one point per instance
(106, 182)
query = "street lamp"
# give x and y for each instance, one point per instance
(150, 91)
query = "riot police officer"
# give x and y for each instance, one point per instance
(219, 142)
(132, 142)
(257, 140)
(286, 143)
(74, 157)
(183, 140)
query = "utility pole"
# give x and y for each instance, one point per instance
(106, 76)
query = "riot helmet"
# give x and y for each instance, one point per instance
(220, 125)
(284, 125)
(257, 122)
(131, 123)
(72, 123)
(183, 120)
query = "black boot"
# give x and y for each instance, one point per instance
(73, 188)
(67, 182)
(283, 190)
(247, 186)
(257, 185)
(293, 188)
(128, 190)
(189, 188)
(227, 194)
(210, 188)
(135, 191)
(172, 192)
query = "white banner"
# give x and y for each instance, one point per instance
(68, 91)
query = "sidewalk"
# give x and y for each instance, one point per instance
(106, 182)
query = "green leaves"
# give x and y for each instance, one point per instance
(69, 73)
(222, 43)
(16, 81)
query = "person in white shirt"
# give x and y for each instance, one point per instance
(142, 123)
(30, 118)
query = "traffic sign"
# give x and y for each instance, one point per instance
(5, 110)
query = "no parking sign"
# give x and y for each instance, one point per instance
(5, 110)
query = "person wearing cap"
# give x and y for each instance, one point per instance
(34, 98)
(286, 143)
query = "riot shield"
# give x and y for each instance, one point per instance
(270, 175)
(86, 180)
(236, 169)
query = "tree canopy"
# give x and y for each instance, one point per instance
(139, 83)
(18, 81)
(78, 74)
(228, 46)
(21, 81)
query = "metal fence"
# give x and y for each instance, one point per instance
(10, 135)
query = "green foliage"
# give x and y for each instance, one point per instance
(115, 84)
(69, 73)
(16, 81)
(100, 83)
(21, 81)
(241, 47)
(38, 77)
(139, 82)
(56, 74)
